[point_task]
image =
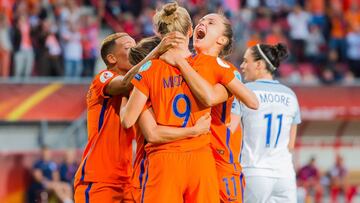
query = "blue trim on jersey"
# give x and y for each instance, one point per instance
(101, 121)
(87, 196)
(241, 185)
(102, 113)
(242, 147)
(223, 113)
(242, 139)
(142, 170)
(268, 81)
(144, 187)
(83, 170)
(228, 133)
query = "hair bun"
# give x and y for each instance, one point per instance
(170, 8)
(281, 51)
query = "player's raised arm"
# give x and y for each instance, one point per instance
(208, 94)
(114, 57)
(132, 110)
(243, 94)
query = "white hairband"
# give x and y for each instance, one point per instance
(266, 58)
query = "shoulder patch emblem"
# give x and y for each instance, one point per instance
(237, 75)
(138, 77)
(145, 67)
(105, 76)
(222, 63)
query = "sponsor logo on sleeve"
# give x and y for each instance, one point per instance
(138, 77)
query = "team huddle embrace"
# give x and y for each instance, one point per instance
(202, 135)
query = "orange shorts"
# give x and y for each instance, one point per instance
(102, 192)
(231, 182)
(179, 177)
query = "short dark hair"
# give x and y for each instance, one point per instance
(108, 44)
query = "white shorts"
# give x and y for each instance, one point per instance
(260, 189)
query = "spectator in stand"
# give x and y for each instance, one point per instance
(73, 51)
(338, 30)
(298, 21)
(68, 167)
(319, 17)
(262, 22)
(47, 179)
(276, 36)
(331, 73)
(352, 16)
(24, 54)
(338, 182)
(145, 21)
(130, 26)
(69, 12)
(353, 53)
(315, 46)
(308, 177)
(5, 46)
(254, 39)
(90, 44)
(49, 62)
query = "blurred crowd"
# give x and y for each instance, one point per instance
(314, 185)
(48, 38)
(52, 181)
(60, 37)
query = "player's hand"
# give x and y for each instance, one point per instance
(202, 125)
(170, 40)
(170, 57)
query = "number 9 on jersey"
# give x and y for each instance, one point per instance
(182, 111)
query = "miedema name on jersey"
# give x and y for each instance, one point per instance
(172, 81)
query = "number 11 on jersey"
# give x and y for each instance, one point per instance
(268, 117)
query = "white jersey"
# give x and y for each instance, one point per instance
(266, 131)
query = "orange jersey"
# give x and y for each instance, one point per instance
(226, 145)
(140, 155)
(108, 154)
(139, 163)
(172, 102)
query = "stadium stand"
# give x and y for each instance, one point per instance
(42, 105)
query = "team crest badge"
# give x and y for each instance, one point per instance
(105, 76)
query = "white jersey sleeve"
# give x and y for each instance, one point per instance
(266, 131)
(235, 108)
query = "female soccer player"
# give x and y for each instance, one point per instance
(149, 130)
(213, 38)
(183, 170)
(269, 132)
(217, 71)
